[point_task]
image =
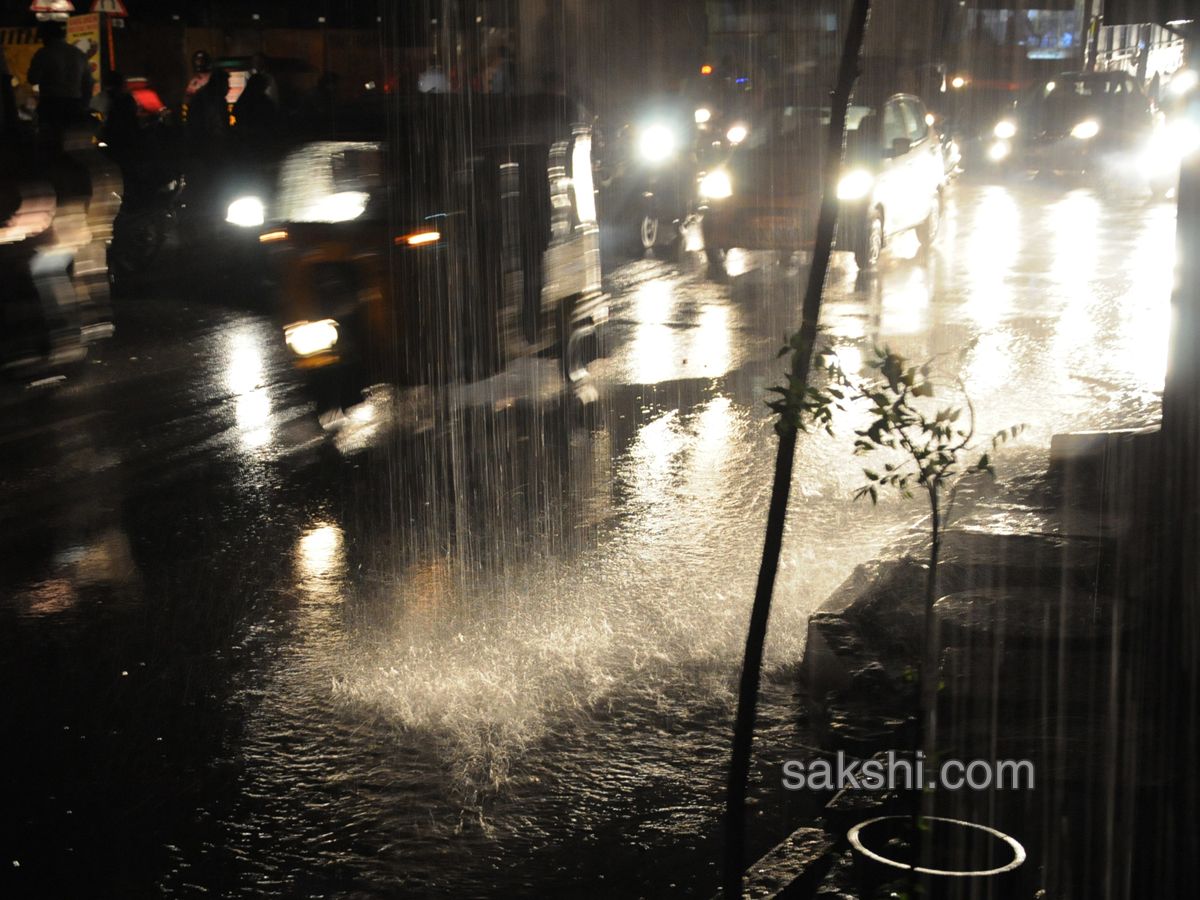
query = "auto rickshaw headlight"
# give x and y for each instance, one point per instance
(307, 338)
(246, 212)
(339, 207)
(657, 143)
(716, 186)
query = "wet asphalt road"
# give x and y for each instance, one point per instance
(472, 642)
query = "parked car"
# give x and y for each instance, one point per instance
(433, 239)
(768, 195)
(1075, 122)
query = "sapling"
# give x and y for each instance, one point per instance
(928, 443)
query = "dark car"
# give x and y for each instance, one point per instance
(435, 238)
(1075, 122)
(768, 195)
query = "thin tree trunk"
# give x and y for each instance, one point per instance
(930, 658)
(743, 734)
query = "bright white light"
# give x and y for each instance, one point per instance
(1004, 130)
(1050, 85)
(340, 207)
(1183, 81)
(929, 119)
(581, 175)
(245, 212)
(1086, 129)
(657, 143)
(716, 185)
(737, 134)
(1169, 146)
(702, 115)
(307, 338)
(855, 185)
(998, 151)
(958, 81)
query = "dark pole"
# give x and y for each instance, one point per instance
(1174, 704)
(802, 345)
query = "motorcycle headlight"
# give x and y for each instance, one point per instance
(307, 338)
(657, 143)
(1086, 129)
(1004, 130)
(854, 185)
(716, 185)
(737, 134)
(245, 212)
(703, 115)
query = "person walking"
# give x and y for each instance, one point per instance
(64, 81)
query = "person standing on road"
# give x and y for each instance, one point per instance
(64, 80)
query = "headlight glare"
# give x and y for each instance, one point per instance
(307, 338)
(855, 185)
(716, 185)
(340, 207)
(703, 115)
(657, 143)
(998, 151)
(1086, 129)
(737, 134)
(246, 212)
(1004, 130)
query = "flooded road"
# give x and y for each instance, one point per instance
(472, 642)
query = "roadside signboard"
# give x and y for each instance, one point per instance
(110, 7)
(84, 33)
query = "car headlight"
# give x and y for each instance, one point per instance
(1004, 130)
(246, 212)
(1088, 128)
(855, 185)
(657, 143)
(307, 338)
(703, 115)
(716, 185)
(737, 134)
(1183, 81)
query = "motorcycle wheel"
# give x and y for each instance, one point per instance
(138, 239)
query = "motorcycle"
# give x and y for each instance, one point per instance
(148, 216)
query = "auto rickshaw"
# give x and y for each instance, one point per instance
(437, 238)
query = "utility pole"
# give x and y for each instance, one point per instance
(1094, 10)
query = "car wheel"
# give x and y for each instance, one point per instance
(868, 252)
(927, 231)
(649, 231)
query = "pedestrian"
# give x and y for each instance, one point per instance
(254, 115)
(120, 130)
(64, 81)
(208, 116)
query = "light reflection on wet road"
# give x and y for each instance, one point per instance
(469, 645)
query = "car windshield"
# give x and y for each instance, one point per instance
(1071, 96)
